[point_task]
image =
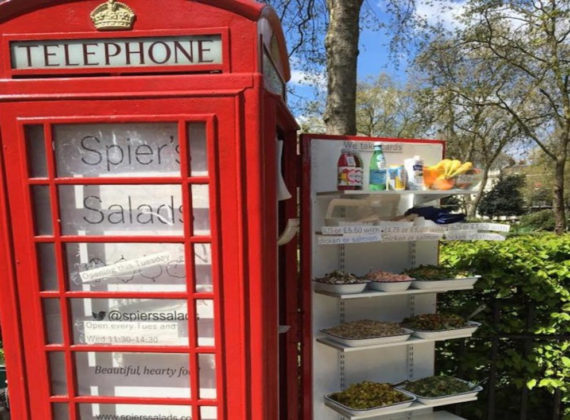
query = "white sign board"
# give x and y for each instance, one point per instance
(124, 52)
(102, 208)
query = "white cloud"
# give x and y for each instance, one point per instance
(303, 78)
(299, 77)
(443, 12)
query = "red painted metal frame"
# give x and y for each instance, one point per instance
(9, 305)
(225, 67)
(243, 214)
(188, 16)
(14, 8)
(289, 276)
(306, 253)
(67, 347)
(276, 119)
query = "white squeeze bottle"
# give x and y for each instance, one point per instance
(415, 170)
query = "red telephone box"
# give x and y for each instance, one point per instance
(140, 215)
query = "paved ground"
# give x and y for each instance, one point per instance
(4, 415)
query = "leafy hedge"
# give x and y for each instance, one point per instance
(526, 324)
(542, 220)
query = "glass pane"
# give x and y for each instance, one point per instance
(198, 149)
(52, 321)
(47, 266)
(208, 413)
(36, 149)
(60, 411)
(133, 374)
(125, 149)
(205, 313)
(203, 267)
(42, 210)
(57, 373)
(126, 266)
(201, 209)
(121, 209)
(134, 411)
(207, 366)
(144, 322)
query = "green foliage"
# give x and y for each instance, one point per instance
(385, 108)
(538, 221)
(525, 286)
(505, 199)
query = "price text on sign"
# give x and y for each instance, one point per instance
(348, 239)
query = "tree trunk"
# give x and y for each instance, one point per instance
(558, 197)
(475, 203)
(341, 45)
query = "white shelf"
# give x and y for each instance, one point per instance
(375, 294)
(439, 415)
(431, 193)
(414, 407)
(410, 342)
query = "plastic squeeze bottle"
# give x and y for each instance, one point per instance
(415, 171)
(349, 171)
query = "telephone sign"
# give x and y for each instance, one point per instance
(126, 52)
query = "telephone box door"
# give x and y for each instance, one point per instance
(116, 210)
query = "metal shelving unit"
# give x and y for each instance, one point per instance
(374, 294)
(410, 342)
(414, 407)
(335, 366)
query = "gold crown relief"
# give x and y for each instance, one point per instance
(112, 15)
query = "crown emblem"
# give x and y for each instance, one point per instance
(112, 15)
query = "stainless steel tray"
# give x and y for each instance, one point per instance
(347, 411)
(447, 399)
(448, 334)
(370, 341)
(445, 284)
(340, 289)
(389, 286)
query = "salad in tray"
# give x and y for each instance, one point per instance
(387, 277)
(438, 388)
(369, 395)
(365, 329)
(385, 281)
(435, 322)
(440, 326)
(434, 273)
(340, 282)
(340, 277)
(434, 277)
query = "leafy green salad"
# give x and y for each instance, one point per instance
(434, 272)
(437, 386)
(366, 395)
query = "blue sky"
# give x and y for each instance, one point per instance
(374, 57)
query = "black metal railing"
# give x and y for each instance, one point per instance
(505, 396)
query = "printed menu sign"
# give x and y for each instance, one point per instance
(124, 149)
(133, 374)
(103, 207)
(121, 209)
(130, 321)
